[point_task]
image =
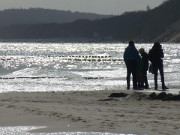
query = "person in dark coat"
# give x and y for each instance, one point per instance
(131, 58)
(156, 56)
(145, 66)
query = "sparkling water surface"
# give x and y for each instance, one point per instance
(75, 66)
(24, 131)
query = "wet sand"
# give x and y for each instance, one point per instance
(89, 111)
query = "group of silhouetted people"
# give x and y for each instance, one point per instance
(137, 63)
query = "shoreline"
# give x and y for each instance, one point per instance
(89, 111)
(61, 40)
(72, 40)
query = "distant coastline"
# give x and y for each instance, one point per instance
(61, 40)
(70, 40)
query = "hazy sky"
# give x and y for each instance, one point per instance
(93, 6)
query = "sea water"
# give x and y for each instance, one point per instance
(75, 66)
(24, 131)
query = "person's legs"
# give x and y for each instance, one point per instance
(134, 73)
(140, 80)
(161, 70)
(162, 75)
(145, 80)
(128, 79)
(155, 70)
(129, 71)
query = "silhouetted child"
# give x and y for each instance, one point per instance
(145, 65)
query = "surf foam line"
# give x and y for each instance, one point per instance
(41, 77)
(45, 77)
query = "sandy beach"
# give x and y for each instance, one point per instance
(89, 111)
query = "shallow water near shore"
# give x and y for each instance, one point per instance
(75, 66)
(24, 131)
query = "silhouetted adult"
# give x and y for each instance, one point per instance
(131, 58)
(145, 64)
(156, 56)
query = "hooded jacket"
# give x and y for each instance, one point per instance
(131, 53)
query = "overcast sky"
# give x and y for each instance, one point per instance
(115, 7)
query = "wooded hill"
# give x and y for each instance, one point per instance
(159, 24)
(40, 15)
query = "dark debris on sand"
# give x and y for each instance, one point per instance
(118, 94)
(142, 96)
(164, 96)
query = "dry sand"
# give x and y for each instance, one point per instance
(91, 111)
